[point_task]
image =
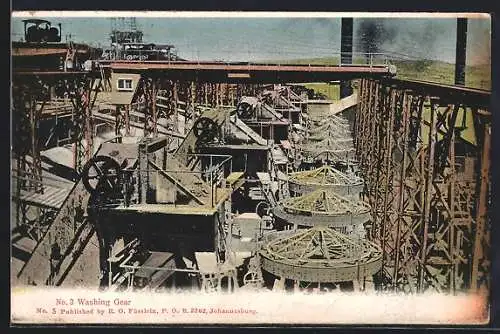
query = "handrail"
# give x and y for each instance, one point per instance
(369, 58)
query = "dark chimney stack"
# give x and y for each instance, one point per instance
(346, 53)
(460, 51)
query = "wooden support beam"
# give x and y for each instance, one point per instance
(428, 196)
(482, 212)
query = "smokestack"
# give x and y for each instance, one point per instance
(460, 51)
(346, 53)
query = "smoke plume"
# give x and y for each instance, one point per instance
(371, 34)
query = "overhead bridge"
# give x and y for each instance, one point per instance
(250, 72)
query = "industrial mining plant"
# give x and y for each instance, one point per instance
(134, 169)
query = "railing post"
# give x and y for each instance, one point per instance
(143, 172)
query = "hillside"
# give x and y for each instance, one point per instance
(478, 76)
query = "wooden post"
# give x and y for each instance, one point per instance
(428, 195)
(482, 205)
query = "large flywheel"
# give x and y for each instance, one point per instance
(205, 129)
(101, 175)
(263, 209)
(245, 110)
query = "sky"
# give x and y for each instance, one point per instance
(251, 39)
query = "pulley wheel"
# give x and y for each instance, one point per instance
(245, 110)
(262, 209)
(100, 175)
(205, 129)
(252, 278)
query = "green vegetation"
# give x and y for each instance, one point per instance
(331, 91)
(478, 76)
(307, 61)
